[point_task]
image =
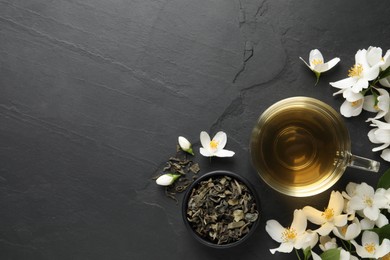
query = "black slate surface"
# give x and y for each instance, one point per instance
(94, 93)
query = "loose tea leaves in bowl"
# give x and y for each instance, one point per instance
(220, 209)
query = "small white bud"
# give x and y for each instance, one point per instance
(185, 145)
(167, 179)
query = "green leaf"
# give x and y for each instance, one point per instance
(331, 254)
(384, 181)
(384, 73)
(383, 232)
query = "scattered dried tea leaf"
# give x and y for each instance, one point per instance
(195, 168)
(179, 164)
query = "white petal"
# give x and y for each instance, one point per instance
(361, 251)
(314, 215)
(383, 146)
(305, 240)
(205, 139)
(336, 202)
(351, 188)
(376, 149)
(369, 103)
(340, 220)
(356, 203)
(305, 62)
(374, 55)
(333, 62)
(221, 139)
(345, 255)
(383, 249)
(371, 73)
(381, 125)
(365, 189)
(385, 82)
(371, 213)
(381, 221)
(360, 85)
(326, 66)
(224, 153)
(383, 135)
(349, 109)
(205, 152)
(361, 57)
(325, 229)
(344, 83)
(386, 155)
(372, 137)
(386, 64)
(370, 237)
(284, 248)
(275, 230)
(315, 256)
(299, 221)
(367, 224)
(353, 230)
(351, 96)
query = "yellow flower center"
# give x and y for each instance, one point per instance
(317, 61)
(376, 107)
(214, 144)
(344, 230)
(289, 234)
(355, 71)
(368, 201)
(328, 214)
(370, 248)
(355, 103)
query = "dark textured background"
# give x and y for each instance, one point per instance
(94, 93)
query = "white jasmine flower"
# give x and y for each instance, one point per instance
(292, 237)
(353, 104)
(317, 64)
(370, 247)
(329, 218)
(215, 146)
(361, 73)
(348, 232)
(368, 201)
(167, 179)
(380, 135)
(377, 104)
(185, 145)
(326, 243)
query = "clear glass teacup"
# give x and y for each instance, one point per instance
(300, 146)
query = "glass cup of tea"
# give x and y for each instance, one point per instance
(300, 147)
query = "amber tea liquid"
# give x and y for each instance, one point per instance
(297, 147)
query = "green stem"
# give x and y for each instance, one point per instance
(345, 246)
(296, 252)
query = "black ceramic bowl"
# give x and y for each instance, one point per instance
(222, 219)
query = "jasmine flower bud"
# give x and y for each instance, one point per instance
(167, 179)
(185, 145)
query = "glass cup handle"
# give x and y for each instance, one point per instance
(363, 163)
